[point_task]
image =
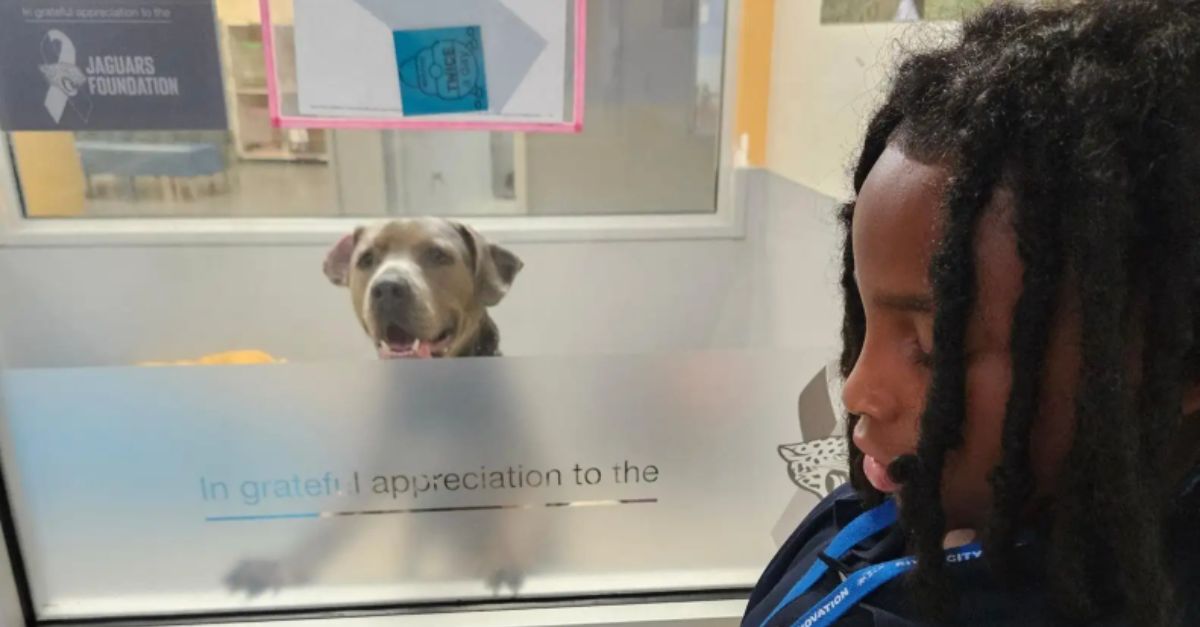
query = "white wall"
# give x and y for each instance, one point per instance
(106, 306)
(826, 80)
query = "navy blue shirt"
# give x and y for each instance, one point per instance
(985, 602)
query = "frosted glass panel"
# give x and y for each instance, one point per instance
(145, 490)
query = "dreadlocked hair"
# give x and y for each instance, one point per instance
(1089, 115)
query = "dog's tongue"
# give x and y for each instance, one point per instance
(416, 350)
(400, 344)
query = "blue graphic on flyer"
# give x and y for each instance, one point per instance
(441, 70)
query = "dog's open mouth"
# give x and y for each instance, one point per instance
(397, 343)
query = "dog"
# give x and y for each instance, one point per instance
(421, 287)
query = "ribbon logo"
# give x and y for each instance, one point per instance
(64, 77)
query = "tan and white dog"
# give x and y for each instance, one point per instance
(421, 287)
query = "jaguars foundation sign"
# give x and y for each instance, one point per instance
(109, 65)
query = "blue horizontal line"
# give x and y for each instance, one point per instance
(262, 517)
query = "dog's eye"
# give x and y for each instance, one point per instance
(437, 256)
(366, 260)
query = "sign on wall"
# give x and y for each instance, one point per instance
(109, 65)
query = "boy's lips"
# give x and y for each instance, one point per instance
(877, 473)
(875, 464)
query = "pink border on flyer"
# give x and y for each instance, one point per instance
(300, 121)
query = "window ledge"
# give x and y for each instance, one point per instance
(320, 231)
(716, 613)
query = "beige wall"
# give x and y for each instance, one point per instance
(825, 82)
(247, 11)
(52, 178)
(754, 78)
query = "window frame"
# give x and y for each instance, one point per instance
(727, 222)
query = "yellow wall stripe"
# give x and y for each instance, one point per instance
(754, 78)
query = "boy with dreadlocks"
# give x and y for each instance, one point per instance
(1021, 336)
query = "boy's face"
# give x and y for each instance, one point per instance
(895, 232)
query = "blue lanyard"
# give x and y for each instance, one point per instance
(863, 582)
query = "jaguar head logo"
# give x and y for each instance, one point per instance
(819, 464)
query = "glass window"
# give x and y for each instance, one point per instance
(650, 144)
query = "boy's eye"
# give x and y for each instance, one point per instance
(919, 355)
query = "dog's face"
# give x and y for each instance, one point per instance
(421, 287)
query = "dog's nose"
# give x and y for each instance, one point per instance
(387, 292)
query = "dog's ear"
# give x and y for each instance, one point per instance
(337, 260)
(494, 266)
